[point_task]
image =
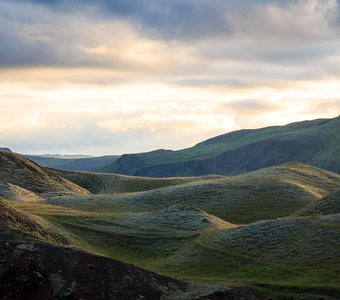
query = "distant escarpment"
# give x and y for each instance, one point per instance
(314, 142)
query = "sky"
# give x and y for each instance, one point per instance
(124, 76)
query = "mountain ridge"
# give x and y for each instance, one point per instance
(315, 142)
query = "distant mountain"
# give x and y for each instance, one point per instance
(73, 163)
(66, 156)
(5, 149)
(315, 142)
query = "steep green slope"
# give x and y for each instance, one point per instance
(314, 142)
(278, 191)
(76, 164)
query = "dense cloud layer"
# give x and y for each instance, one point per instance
(147, 68)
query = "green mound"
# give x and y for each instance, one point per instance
(297, 241)
(325, 206)
(98, 183)
(265, 194)
(181, 217)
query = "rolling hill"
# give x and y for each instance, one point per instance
(325, 206)
(101, 183)
(268, 234)
(278, 191)
(314, 142)
(73, 163)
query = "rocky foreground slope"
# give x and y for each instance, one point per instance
(43, 271)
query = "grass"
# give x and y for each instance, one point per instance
(278, 191)
(98, 183)
(159, 230)
(192, 255)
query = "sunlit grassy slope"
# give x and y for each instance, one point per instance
(314, 142)
(20, 225)
(21, 172)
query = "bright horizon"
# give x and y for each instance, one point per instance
(107, 154)
(103, 77)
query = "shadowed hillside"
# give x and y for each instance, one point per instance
(314, 142)
(42, 271)
(19, 171)
(71, 163)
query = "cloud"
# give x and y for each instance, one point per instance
(120, 76)
(34, 31)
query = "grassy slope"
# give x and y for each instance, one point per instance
(144, 228)
(320, 139)
(327, 205)
(279, 191)
(98, 183)
(19, 225)
(202, 255)
(16, 193)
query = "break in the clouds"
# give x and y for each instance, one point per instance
(126, 76)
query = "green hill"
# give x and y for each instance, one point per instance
(325, 206)
(271, 233)
(278, 191)
(314, 142)
(101, 183)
